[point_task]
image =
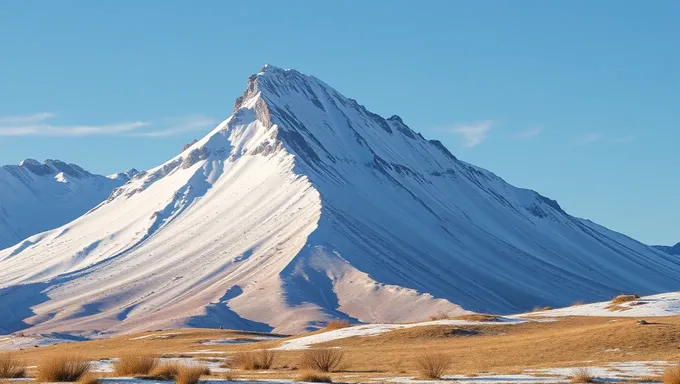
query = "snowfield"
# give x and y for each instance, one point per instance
(303, 207)
(665, 304)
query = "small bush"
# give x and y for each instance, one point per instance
(134, 365)
(313, 377)
(582, 375)
(433, 365)
(62, 369)
(165, 371)
(89, 379)
(190, 374)
(323, 359)
(671, 375)
(252, 360)
(337, 324)
(541, 309)
(478, 317)
(11, 368)
(230, 376)
(620, 299)
(440, 316)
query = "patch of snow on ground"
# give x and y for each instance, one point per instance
(665, 304)
(14, 343)
(377, 329)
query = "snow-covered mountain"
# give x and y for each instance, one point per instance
(304, 206)
(674, 250)
(37, 197)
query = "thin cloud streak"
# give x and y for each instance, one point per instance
(39, 125)
(529, 134)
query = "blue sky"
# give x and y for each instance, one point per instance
(578, 100)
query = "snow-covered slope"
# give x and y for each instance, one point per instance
(304, 206)
(665, 304)
(36, 197)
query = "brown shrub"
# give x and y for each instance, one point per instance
(165, 371)
(541, 309)
(313, 377)
(440, 316)
(477, 317)
(433, 365)
(337, 324)
(671, 375)
(11, 368)
(252, 360)
(190, 374)
(620, 299)
(62, 369)
(89, 379)
(230, 376)
(322, 359)
(134, 365)
(582, 375)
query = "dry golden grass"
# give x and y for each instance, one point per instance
(582, 375)
(230, 376)
(190, 374)
(89, 379)
(62, 369)
(671, 375)
(322, 359)
(337, 324)
(252, 360)
(165, 371)
(620, 299)
(477, 317)
(313, 377)
(433, 365)
(135, 365)
(10, 367)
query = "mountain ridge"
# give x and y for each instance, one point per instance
(302, 207)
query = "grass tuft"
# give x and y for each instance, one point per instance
(433, 365)
(620, 299)
(671, 375)
(252, 360)
(164, 371)
(135, 365)
(11, 368)
(337, 324)
(582, 375)
(313, 377)
(478, 317)
(322, 359)
(62, 369)
(190, 374)
(89, 379)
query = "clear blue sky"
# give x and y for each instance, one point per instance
(579, 100)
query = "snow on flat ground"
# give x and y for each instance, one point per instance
(377, 329)
(13, 343)
(613, 372)
(665, 304)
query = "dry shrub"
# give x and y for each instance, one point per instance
(541, 309)
(620, 299)
(11, 368)
(190, 374)
(313, 377)
(433, 365)
(337, 324)
(165, 371)
(62, 369)
(440, 316)
(582, 375)
(89, 379)
(671, 375)
(133, 365)
(322, 359)
(252, 360)
(577, 303)
(477, 317)
(230, 376)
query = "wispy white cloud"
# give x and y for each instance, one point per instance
(589, 138)
(528, 133)
(41, 125)
(597, 137)
(474, 133)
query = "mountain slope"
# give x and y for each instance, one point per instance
(36, 197)
(304, 206)
(674, 250)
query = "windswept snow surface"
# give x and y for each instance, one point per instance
(301, 207)
(665, 304)
(36, 197)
